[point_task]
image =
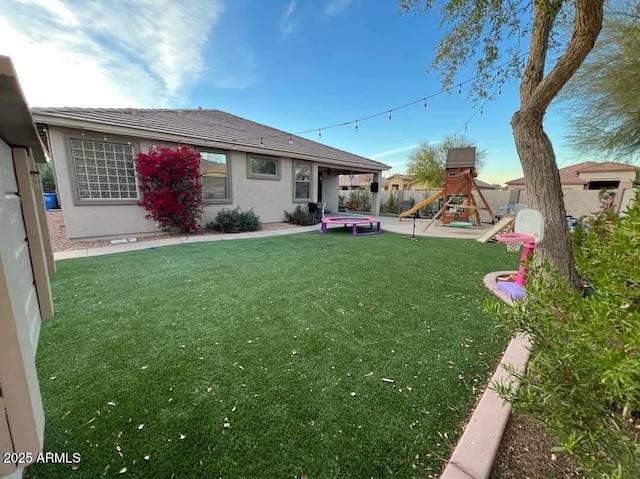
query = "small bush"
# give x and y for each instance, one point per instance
(365, 200)
(583, 378)
(391, 205)
(302, 217)
(235, 221)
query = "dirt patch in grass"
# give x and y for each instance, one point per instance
(526, 452)
(60, 242)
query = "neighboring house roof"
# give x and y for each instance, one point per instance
(213, 128)
(571, 174)
(355, 180)
(210, 168)
(484, 185)
(400, 176)
(461, 157)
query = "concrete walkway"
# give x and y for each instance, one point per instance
(388, 224)
(120, 248)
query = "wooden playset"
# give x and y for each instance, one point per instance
(459, 201)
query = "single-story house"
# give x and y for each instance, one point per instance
(26, 261)
(590, 175)
(397, 182)
(245, 164)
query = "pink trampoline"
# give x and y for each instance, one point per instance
(354, 222)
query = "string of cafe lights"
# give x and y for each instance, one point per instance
(389, 112)
(480, 110)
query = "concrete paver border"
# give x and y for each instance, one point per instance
(475, 453)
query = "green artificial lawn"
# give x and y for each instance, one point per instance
(265, 357)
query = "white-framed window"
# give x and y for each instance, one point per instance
(263, 167)
(302, 181)
(214, 174)
(104, 170)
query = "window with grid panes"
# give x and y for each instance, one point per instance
(104, 170)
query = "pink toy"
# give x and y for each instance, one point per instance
(529, 230)
(352, 221)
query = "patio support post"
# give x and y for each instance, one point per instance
(313, 194)
(375, 197)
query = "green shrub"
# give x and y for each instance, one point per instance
(365, 200)
(302, 217)
(583, 378)
(391, 205)
(235, 221)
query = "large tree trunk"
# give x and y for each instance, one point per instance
(544, 191)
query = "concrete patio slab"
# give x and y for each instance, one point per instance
(436, 230)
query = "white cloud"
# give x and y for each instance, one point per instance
(336, 7)
(393, 151)
(287, 22)
(134, 53)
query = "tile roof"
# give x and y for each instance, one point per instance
(401, 176)
(204, 125)
(485, 185)
(570, 174)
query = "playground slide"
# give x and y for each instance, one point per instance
(495, 229)
(420, 205)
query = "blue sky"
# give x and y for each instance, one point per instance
(292, 64)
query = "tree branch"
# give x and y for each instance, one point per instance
(544, 15)
(587, 26)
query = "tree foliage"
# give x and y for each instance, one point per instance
(171, 187)
(583, 378)
(604, 106)
(427, 162)
(489, 33)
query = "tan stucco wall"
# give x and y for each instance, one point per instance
(269, 198)
(399, 182)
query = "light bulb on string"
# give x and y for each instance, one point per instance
(389, 115)
(460, 88)
(356, 126)
(425, 102)
(290, 140)
(320, 133)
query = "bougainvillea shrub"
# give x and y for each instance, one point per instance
(171, 187)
